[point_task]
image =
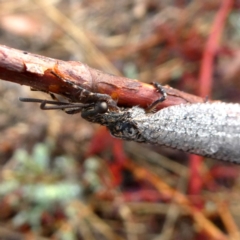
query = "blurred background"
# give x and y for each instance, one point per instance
(64, 178)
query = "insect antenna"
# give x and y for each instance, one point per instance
(70, 108)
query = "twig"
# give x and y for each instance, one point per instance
(36, 71)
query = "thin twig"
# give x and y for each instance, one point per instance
(36, 71)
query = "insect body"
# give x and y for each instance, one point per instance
(207, 129)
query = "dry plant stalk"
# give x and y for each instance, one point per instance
(36, 71)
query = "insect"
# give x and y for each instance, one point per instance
(207, 129)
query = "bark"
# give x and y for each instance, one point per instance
(36, 71)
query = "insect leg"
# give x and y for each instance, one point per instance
(70, 108)
(88, 96)
(160, 89)
(88, 109)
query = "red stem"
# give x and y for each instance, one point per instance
(35, 71)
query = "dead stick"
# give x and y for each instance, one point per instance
(35, 71)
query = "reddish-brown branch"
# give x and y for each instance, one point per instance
(35, 71)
